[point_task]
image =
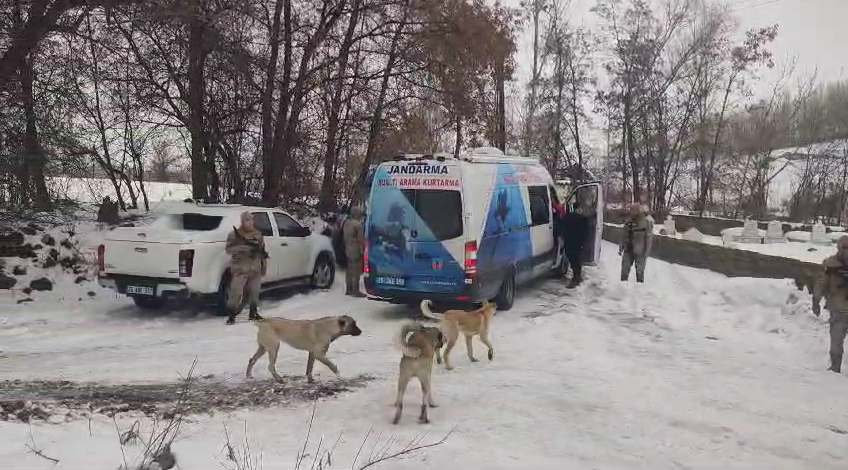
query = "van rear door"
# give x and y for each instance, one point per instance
(437, 241)
(415, 228)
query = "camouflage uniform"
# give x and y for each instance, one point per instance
(353, 234)
(832, 284)
(248, 265)
(636, 242)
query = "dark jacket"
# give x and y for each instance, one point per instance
(574, 228)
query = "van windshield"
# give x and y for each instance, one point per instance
(438, 210)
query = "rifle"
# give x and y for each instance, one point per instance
(254, 246)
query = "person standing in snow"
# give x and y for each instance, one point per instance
(108, 212)
(574, 225)
(246, 246)
(832, 284)
(635, 246)
(353, 234)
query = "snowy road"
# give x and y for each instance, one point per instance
(693, 370)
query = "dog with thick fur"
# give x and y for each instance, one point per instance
(312, 336)
(419, 345)
(454, 322)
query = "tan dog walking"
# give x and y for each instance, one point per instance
(419, 345)
(312, 336)
(454, 322)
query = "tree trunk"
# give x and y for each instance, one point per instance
(710, 169)
(560, 91)
(327, 201)
(34, 159)
(575, 114)
(500, 84)
(271, 162)
(458, 145)
(375, 126)
(631, 151)
(195, 100)
(534, 79)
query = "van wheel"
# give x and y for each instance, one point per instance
(223, 295)
(149, 303)
(324, 272)
(506, 296)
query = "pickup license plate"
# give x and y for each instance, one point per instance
(140, 290)
(390, 281)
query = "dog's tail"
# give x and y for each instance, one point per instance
(403, 344)
(425, 309)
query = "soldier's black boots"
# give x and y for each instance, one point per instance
(231, 318)
(575, 281)
(835, 363)
(254, 314)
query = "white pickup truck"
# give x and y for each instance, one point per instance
(182, 255)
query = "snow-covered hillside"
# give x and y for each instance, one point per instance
(93, 190)
(692, 370)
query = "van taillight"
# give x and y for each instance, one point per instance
(365, 268)
(470, 261)
(186, 262)
(101, 258)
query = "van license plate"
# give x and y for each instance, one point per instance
(139, 290)
(390, 281)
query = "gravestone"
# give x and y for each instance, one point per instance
(750, 233)
(693, 235)
(669, 226)
(774, 233)
(819, 234)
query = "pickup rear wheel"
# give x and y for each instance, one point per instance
(223, 295)
(149, 303)
(324, 272)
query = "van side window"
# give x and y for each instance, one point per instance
(263, 223)
(540, 205)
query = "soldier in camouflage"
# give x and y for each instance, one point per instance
(246, 246)
(353, 234)
(635, 244)
(832, 284)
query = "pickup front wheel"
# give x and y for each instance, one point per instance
(149, 303)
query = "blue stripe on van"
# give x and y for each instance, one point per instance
(506, 235)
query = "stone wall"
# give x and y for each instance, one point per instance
(705, 225)
(728, 261)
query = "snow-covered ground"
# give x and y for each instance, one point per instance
(692, 370)
(804, 251)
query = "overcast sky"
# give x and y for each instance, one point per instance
(814, 31)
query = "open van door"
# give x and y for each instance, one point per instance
(589, 199)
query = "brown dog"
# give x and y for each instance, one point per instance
(313, 336)
(419, 345)
(475, 322)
